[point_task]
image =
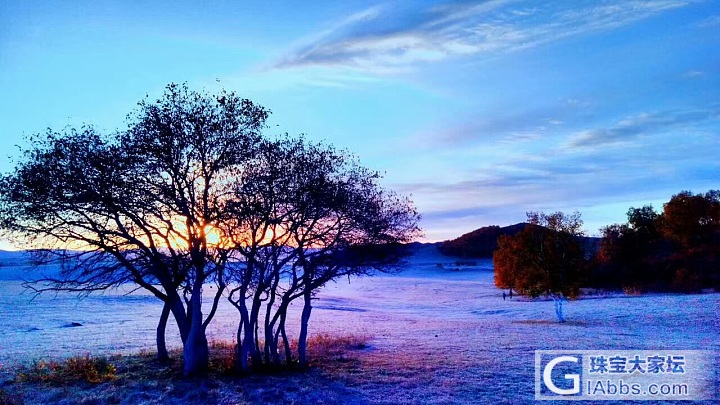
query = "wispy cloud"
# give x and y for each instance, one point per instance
(384, 39)
(662, 152)
(511, 127)
(632, 127)
(569, 180)
(710, 22)
(693, 74)
(507, 126)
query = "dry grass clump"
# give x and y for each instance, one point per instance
(322, 349)
(327, 345)
(75, 369)
(222, 357)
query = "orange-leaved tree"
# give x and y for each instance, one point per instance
(546, 258)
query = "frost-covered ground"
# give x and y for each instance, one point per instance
(440, 333)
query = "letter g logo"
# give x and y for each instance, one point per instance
(575, 378)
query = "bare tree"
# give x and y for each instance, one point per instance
(139, 205)
(191, 194)
(304, 214)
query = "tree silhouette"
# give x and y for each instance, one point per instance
(137, 205)
(303, 215)
(692, 220)
(692, 223)
(192, 194)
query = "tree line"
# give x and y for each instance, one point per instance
(677, 249)
(192, 194)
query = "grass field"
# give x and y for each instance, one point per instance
(438, 333)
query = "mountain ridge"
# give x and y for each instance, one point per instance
(482, 242)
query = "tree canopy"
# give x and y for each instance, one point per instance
(676, 249)
(191, 193)
(545, 258)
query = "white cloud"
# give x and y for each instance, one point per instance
(710, 22)
(629, 128)
(383, 39)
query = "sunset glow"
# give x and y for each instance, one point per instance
(481, 110)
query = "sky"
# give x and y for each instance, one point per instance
(480, 110)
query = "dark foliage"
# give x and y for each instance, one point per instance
(676, 250)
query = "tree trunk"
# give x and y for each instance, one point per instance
(240, 355)
(251, 334)
(275, 349)
(277, 325)
(178, 310)
(268, 331)
(302, 339)
(162, 353)
(244, 339)
(195, 350)
(558, 300)
(286, 342)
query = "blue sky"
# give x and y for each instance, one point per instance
(481, 110)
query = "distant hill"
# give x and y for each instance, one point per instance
(14, 258)
(481, 243)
